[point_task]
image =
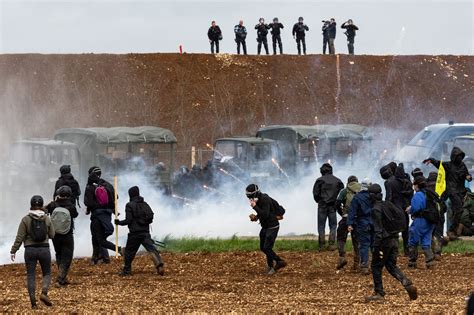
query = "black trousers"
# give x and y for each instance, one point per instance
(342, 234)
(405, 234)
(277, 39)
(267, 240)
(262, 40)
(33, 255)
(325, 44)
(388, 259)
(350, 45)
(301, 41)
(64, 249)
(456, 207)
(215, 43)
(99, 241)
(134, 241)
(244, 46)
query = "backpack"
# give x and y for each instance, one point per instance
(38, 230)
(348, 199)
(61, 220)
(432, 213)
(143, 214)
(394, 219)
(102, 196)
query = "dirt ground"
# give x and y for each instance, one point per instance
(234, 282)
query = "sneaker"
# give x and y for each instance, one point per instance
(124, 274)
(280, 264)
(45, 299)
(374, 298)
(271, 271)
(412, 292)
(161, 270)
(341, 263)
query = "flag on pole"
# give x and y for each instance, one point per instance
(441, 180)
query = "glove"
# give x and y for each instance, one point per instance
(117, 221)
(253, 217)
(12, 257)
(426, 161)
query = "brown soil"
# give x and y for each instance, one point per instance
(203, 97)
(235, 282)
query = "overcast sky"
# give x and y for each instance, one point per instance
(106, 26)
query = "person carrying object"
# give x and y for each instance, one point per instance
(262, 32)
(276, 28)
(34, 232)
(299, 34)
(269, 212)
(350, 33)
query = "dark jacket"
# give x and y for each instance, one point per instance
(262, 30)
(64, 203)
(70, 181)
(360, 211)
(331, 29)
(276, 28)
(324, 28)
(327, 187)
(265, 212)
(380, 234)
(398, 189)
(130, 216)
(350, 29)
(456, 172)
(299, 30)
(89, 195)
(214, 33)
(24, 232)
(240, 32)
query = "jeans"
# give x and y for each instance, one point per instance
(99, 241)
(421, 232)
(389, 248)
(342, 234)
(267, 240)
(134, 241)
(301, 41)
(277, 39)
(332, 49)
(405, 234)
(350, 45)
(64, 248)
(216, 43)
(33, 255)
(325, 44)
(262, 40)
(326, 212)
(365, 235)
(244, 46)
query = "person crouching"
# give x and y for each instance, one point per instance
(267, 214)
(138, 217)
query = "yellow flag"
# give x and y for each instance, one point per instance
(441, 180)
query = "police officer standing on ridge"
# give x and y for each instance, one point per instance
(215, 35)
(276, 27)
(240, 35)
(262, 32)
(299, 33)
(350, 33)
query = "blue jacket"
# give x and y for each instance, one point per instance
(360, 211)
(418, 202)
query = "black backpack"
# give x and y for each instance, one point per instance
(38, 230)
(394, 218)
(432, 213)
(143, 213)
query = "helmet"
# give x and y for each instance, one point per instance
(300, 19)
(261, 20)
(95, 170)
(275, 20)
(36, 202)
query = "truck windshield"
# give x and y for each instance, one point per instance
(425, 138)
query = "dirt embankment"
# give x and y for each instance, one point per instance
(226, 282)
(203, 97)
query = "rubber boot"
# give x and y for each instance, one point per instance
(412, 257)
(341, 263)
(158, 262)
(410, 288)
(322, 242)
(460, 229)
(429, 257)
(332, 246)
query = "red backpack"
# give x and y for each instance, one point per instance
(102, 196)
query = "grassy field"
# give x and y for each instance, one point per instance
(293, 244)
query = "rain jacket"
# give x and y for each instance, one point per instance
(23, 234)
(343, 203)
(360, 211)
(327, 187)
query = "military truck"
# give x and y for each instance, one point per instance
(433, 141)
(118, 149)
(302, 146)
(249, 159)
(35, 163)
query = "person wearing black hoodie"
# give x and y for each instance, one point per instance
(67, 179)
(299, 33)
(63, 243)
(264, 205)
(101, 216)
(262, 32)
(385, 249)
(138, 217)
(276, 28)
(325, 192)
(456, 176)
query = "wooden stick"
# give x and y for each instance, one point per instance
(116, 217)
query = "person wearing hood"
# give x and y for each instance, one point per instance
(385, 251)
(325, 192)
(421, 230)
(34, 232)
(343, 202)
(138, 217)
(276, 28)
(63, 240)
(456, 176)
(417, 172)
(262, 32)
(101, 215)
(398, 190)
(67, 179)
(360, 220)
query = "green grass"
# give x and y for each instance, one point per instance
(237, 244)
